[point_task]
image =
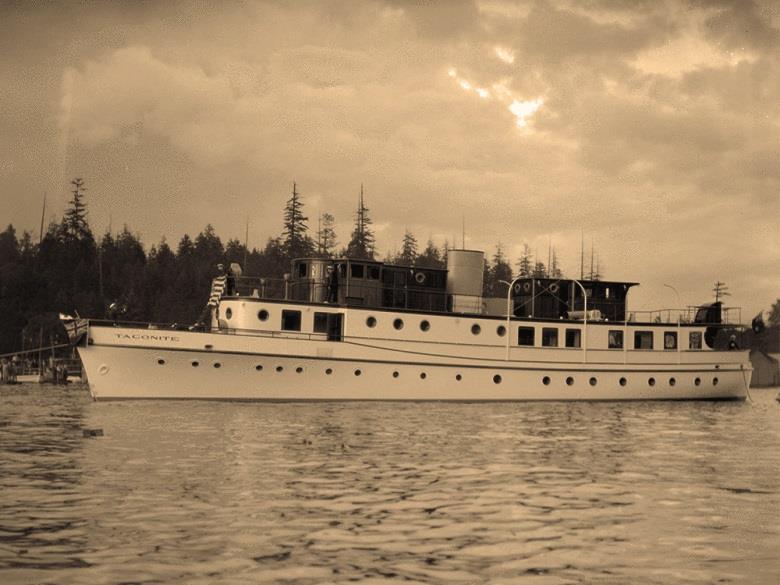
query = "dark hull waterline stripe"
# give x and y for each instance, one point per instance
(575, 367)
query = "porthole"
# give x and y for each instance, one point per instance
(228, 313)
(672, 381)
(546, 380)
(423, 375)
(395, 374)
(569, 381)
(697, 381)
(279, 368)
(714, 381)
(651, 381)
(398, 324)
(424, 325)
(496, 379)
(458, 377)
(217, 365)
(476, 329)
(299, 370)
(195, 363)
(161, 361)
(501, 330)
(358, 372)
(623, 381)
(259, 368)
(262, 314)
(328, 371)
(593, 381)
(371, 321)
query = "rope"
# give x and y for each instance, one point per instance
(747, 388)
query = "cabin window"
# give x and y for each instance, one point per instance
(573, 338)
(670, 340)
(262, 314)
(398, 324)
(643, 340)
(357, 270)
(694, 340)
(615, 339)
(500, 330)
(291, 320)
(424, 325)
(302, 270)
(373, 272)
(525, 336)
(371, 321)
(549, 337)
(320, 322)
(476, 329)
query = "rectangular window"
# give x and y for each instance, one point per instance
(320, 322)
(670, 340)
(291, 320)
(694, 340)
(615, 340)
(302, 270)
(643, 340)
(357, 270)
(525, 336)
(573, 338)
(373, 272)
(549, 337)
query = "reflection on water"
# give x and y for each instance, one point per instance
(207, 492)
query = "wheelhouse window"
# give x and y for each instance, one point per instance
(615, 339)
(373, 272)
(291, 320)
(573, 338)
(670, 340)
(302, 270)
(549, 337)
(525, 336)
(694, 340)
(320, 322)
(357, 270)
(643, 340)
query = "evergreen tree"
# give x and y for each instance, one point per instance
(540, 270)
(74, 223)
(408, 253)
(326, 236)
(431, 257)
(525, 266)
(295, 241)
(500, 270)
(774, 314)
(361, 244)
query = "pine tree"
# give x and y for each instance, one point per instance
(431, 257)
(295, 241)
(500, 273)
(540, 270)
(525, 265)
(326, 236)
(408, 253)
(74, 223)
(361, 244)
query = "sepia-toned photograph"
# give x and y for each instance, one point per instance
(389, 292)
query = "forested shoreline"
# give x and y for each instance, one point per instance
(68, 270)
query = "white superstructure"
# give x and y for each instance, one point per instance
(377, 340)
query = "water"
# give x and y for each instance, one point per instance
(303, 493)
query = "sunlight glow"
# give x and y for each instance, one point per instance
(522, 110)
(506, 55)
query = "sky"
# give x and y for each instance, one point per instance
(648, 129)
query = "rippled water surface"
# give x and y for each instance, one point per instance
(245, 493)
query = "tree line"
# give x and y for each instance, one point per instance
(69, 270)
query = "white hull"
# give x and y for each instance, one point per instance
(126, 363)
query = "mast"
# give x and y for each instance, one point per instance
(246, 241)
(43, 213)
